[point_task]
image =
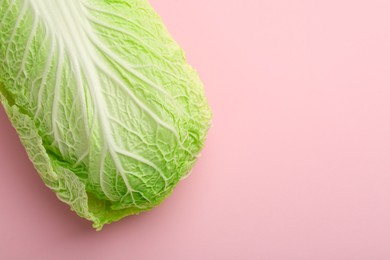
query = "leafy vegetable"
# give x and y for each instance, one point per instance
(103, 100)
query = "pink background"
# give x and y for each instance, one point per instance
(297, 162)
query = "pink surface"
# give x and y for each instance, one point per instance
(297, 162)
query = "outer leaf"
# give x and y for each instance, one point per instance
(109, 111)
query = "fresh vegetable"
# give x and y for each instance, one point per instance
(103, 100)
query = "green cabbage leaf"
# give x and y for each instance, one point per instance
(109, 111)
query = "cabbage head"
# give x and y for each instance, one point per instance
(109, 111)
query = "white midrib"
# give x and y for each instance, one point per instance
(67, 21)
